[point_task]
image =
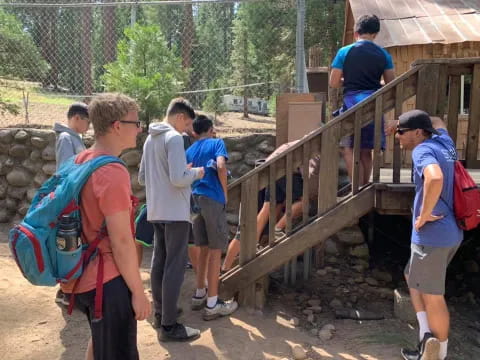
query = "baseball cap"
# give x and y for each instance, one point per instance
(77, 108)
(416, 119)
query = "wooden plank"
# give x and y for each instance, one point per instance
(442, 90)
(288, 200)
(397, 156)
(471, 60)
(356, 153)
(281, 117)
(474, 118)
(306, 182)
(377, 139)
(272, 217)
(328, 177)
(427, 88)
(315, 233)
(453, 107)
(248, 245)
(460, 69)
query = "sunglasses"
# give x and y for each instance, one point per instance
(137, 123)
(400, 131)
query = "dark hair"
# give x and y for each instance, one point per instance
(77, 109)
(202, 124)
(180, 106)
(367, 24)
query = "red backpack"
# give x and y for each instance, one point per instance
(466, 198)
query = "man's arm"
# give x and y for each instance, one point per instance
(388, 75)
(222, 174)
(141, 171)
(437, 123)
(181, 175)
(336, 76)
(64, 149)
(123, 249)
(432, 188)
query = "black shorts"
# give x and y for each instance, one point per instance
(281, 189)
(115, 335)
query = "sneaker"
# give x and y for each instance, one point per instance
(429, 348)
(221, 308)
(279, 234)
(59, 296)
(157, 318)
(199, 302)
(178, 332)
(66, 299)
(408, 354)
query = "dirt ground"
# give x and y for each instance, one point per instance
(33, 327)
(227, 124)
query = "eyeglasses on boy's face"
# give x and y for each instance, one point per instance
(401, 131)
(137, 123)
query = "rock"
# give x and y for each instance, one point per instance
(48, 154)
(299, 352)
(325, 334)
(266, 147)
(353, 298)
(234, 156)
(35, 155)
(23, 208)
(311, 318)
(470, 266)
(336, 304)
(315, 309)
(371, 281)
(359, 268)
(49, 168)
(350, 281)
(360, 251)
(38, 142)
(250, 158)
(331, 247)
(295, 321)
(322, 272)
(332, 260)
(350, 236)
(39, 178)
(328, 269)
(132, 157)
(16, 192)
(307, 312)
(6, 136)
(243, 169)
(32, 166)
(30, 194)
(21, 136)
(329, 327)
(382, 275)
(19, 177)
(314, 332)
(4, 216)
(6, 164)
(3, 188)
(385, 293)
(402, 306)
(11, 204)
(362, 262)
(359, 279)
(314, 302)
(134, 181)
(19, 151)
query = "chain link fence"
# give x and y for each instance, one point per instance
(222, 55)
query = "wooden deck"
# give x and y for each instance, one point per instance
(386, 175)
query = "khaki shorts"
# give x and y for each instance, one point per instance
(427, 268)
(210, 223)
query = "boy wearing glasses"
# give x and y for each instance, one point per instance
(68, 144)
(436, 236)
(168, 180)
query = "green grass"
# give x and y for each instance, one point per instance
(12, 91)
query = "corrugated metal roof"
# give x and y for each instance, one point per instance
(409, 22)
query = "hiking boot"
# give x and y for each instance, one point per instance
(410, 354)
(178, 332)
(221, 308)
(157, 318)
(198, 302)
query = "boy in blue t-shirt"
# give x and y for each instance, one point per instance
(359, 68)
(436, 236)
(210, 222)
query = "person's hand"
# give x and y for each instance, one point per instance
(423, 219)
(141, 306)
(201, 172)
(189, 166)
(390, 127)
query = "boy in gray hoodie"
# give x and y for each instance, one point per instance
(69, 142)
(168, 179)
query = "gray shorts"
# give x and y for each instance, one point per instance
(427, 268)
(210, 223)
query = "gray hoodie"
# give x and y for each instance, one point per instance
(164, 172)
(68, 143)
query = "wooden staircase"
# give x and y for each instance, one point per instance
(433, 83)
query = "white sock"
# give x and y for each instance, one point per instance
(442, 354)
(200, 292)
(212, 301)
(423, 324)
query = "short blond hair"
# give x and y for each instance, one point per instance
(108, 108)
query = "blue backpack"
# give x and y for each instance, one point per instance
(33, 241)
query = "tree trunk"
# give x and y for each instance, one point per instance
(245, 75)
(87, 20)
(187, 36)
(109, 35)
(48, 44)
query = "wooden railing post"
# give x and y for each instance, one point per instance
(377, 138)
(328, 178)
(453, 107)
(357, 139)
(473, 120)
(397, 159)
(427, 88)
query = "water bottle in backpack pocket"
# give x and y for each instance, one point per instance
(69, 247)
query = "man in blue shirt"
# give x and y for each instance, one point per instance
(210, 222)
(435, 234)
(359, 68)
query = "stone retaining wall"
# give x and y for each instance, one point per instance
(27, 159)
